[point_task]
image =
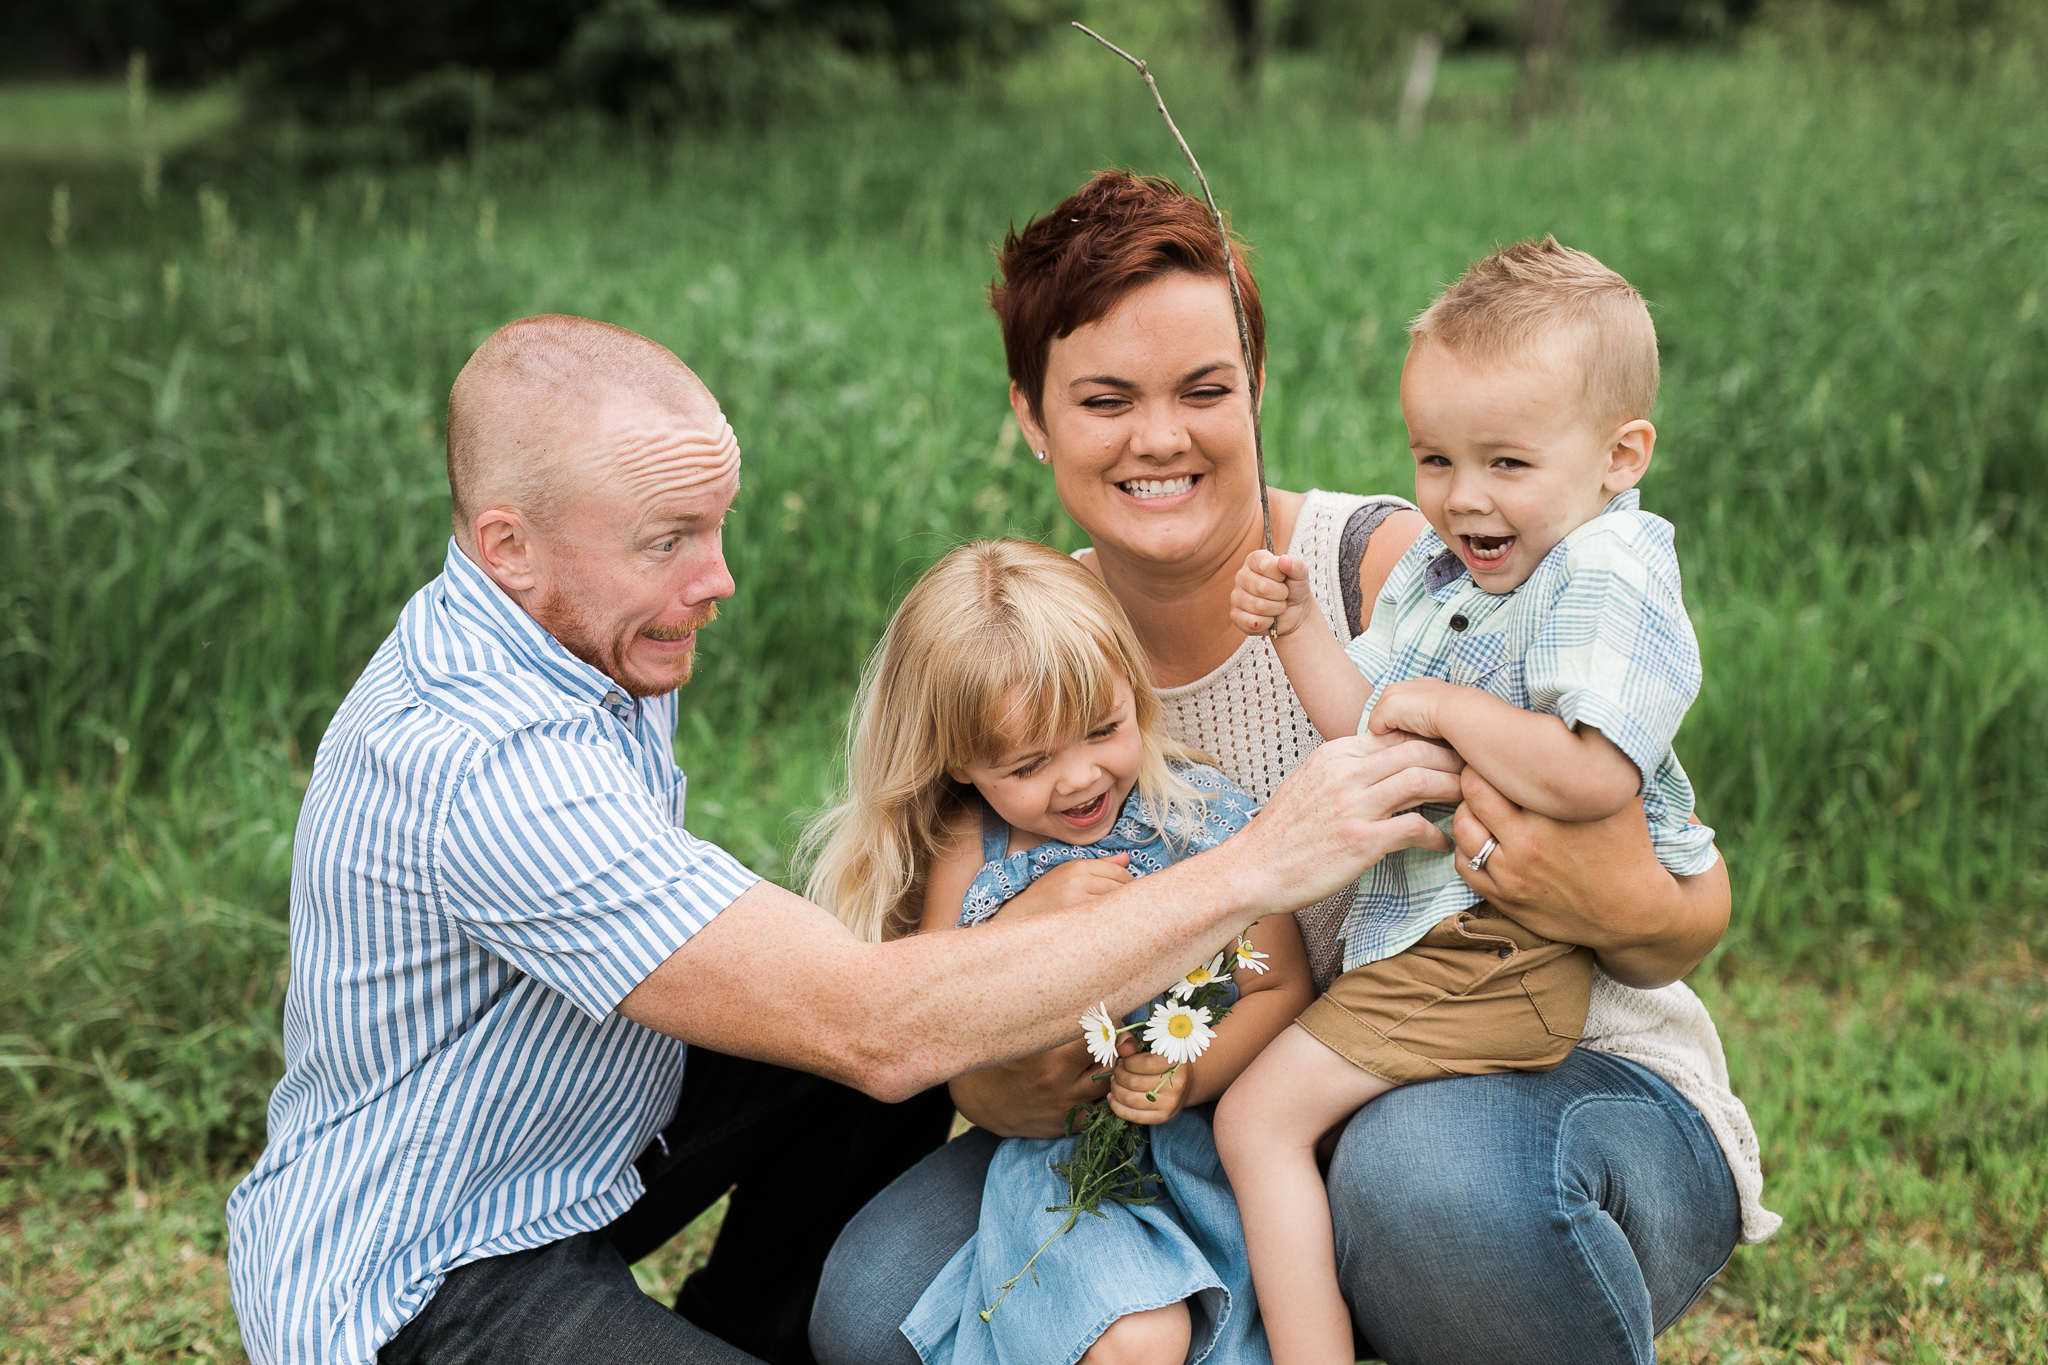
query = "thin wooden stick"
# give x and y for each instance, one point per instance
(1244, 331)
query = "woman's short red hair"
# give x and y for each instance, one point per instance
(1070, 267)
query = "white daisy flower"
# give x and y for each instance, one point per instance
(1248, 956)
(1178, 1033)
(1099, 1031)
(1201, 976)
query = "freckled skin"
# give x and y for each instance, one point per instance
(631, 565)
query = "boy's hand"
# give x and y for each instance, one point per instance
(1271, 596)
(1138, 1075)
(1411, 707)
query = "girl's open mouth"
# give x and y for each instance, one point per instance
(1485, 552)
(1084, 816)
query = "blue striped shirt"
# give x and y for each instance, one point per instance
(491, 854)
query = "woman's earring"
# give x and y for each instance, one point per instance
(1041, 457)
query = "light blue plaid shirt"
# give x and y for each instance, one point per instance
(1597, 636)
(490, 856)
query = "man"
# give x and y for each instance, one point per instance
(503, 937)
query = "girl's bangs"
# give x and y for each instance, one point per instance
(1047, 687)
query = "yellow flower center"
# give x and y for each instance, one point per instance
(1199, 977)
(1181, 1025)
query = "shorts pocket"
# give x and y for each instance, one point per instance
(1561, 991)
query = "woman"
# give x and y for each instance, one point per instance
(1568, 1215)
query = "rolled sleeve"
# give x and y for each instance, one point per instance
(1616, 650)
(556, 857)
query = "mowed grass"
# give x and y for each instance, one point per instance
(220, 479)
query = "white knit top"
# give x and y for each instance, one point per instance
(1245, 716)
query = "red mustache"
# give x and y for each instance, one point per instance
(686, 629)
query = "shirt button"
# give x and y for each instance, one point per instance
(1459, 622)
(1507, 952)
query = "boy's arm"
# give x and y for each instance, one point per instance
(1273, 596)
(1535, 760)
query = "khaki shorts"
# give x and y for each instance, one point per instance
(1478, 994)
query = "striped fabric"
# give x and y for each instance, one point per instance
(490, 856)
(1597, 636)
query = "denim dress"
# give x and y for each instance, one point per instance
(1187, 1244)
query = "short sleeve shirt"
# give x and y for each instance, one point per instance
(1597, 636)
(490, 856)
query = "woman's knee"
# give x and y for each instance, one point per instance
(1158, 1336)
(892, 1251)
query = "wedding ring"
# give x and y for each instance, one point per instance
(1477, 862)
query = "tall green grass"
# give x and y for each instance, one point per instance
(220, 474)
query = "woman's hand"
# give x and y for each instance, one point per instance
(1136, 1079)
(1597, 883)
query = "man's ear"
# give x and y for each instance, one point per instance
(1034, 434)
(1628, 455)
(504, 547)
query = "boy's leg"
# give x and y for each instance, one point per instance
(1267, 1126)
(801, 1156)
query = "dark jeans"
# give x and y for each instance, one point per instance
(801, 1156)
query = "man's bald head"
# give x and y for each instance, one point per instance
(532, 391)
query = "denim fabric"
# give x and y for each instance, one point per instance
(739, 1125)
(1186, 1245)
(1515, 1219)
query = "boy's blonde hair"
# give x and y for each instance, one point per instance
(1505, 303)
(1002, 643)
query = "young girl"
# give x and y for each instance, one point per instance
(1007, 724)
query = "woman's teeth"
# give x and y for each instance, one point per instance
(1489, 549)
(1158, 488)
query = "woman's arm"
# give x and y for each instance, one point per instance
(1598, 884)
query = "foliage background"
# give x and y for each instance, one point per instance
(222, 371)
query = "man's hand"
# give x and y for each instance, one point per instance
(1340, 812)
(1137, 1076)
(1030, 1097)
(1596, 883)
(1271, 595)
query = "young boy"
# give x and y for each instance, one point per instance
(1537, 628)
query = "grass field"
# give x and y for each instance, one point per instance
(220, 479)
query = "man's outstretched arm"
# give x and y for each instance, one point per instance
(776, 978)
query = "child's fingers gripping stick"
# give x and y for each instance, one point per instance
(1270, 594)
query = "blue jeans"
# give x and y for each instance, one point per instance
(1567, 1216)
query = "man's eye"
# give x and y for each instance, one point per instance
(666, 545)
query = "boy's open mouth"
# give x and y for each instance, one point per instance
(1088, 814)
(1486, 551)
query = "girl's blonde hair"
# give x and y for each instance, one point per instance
(1002, 643)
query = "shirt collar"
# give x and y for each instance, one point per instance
(473, 596)
(1443, 572)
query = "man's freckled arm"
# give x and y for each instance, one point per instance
(776, 978)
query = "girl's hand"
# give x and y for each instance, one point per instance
(1069, 884)
(1271, 596)
(1138, 1076)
